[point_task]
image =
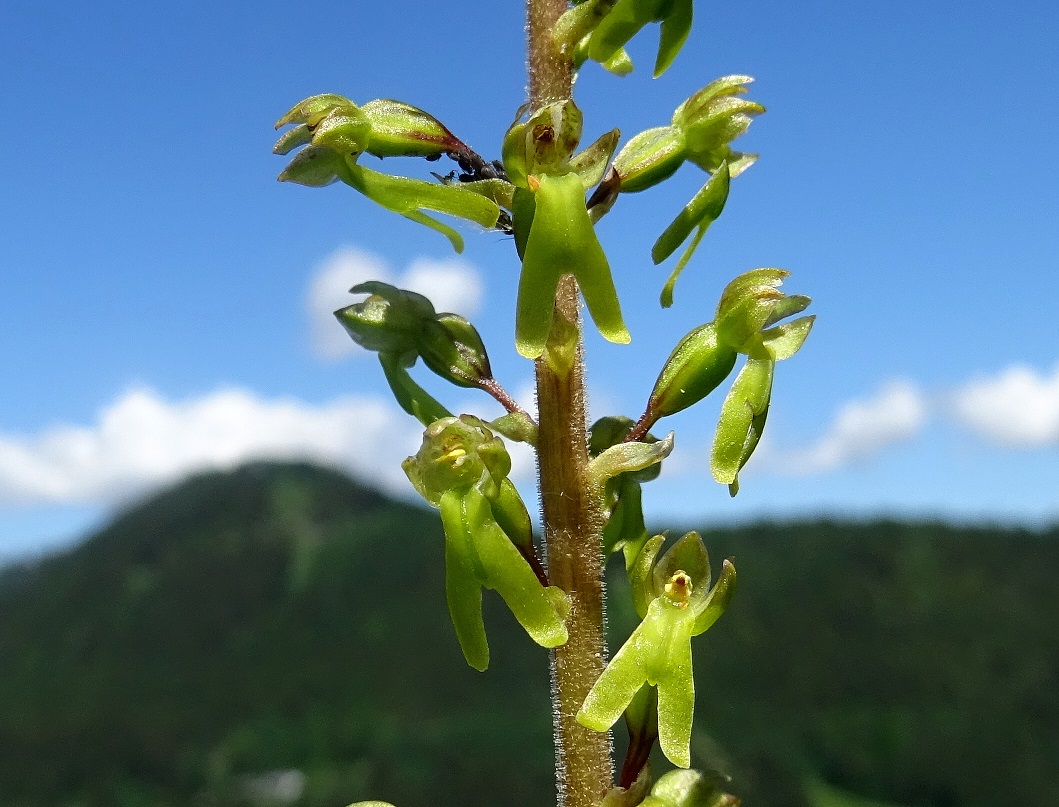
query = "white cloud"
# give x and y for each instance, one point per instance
(142, 441)
(1017, 407)
(451, 284)
(861, 429)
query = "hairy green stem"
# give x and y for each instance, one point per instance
(551, 76)
(572, 527)
(570, 508)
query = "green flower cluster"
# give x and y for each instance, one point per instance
(549, 196)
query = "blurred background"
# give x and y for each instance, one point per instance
(200, 485)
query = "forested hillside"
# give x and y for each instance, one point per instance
(278, 635)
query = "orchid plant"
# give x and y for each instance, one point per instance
(549, 194)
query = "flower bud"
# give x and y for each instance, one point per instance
(390, 320)
(452, 348)
(402, 130)
(313, 109)
(650, 157)
(688, 788)
(695, 368)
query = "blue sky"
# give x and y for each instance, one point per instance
(160, 289)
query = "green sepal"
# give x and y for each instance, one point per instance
(562, 241)
(674, 33)
(517, 426)
(687, 555)
(752, 302)
(718, 600)
(695, 368)
(409, 197)
(688, 788)
(742, 421)
(712, 118)
(345, 130)
(390, 320)
(591, 163)
(313, 167)
(628, 17)
(641, 574)
(313, 109)
(650, 157)
(513, 154)
(783, 341)
(402, 130)
(411, 397)
(628, 458)
(698, 104)
(703, 209)
(480, 555)
(718, 123)
(787, 307)
(625, 528)
(453, 349)
(300, 135)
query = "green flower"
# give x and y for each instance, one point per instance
(747, 317)
(462, 469)
(676, 602)
(562, 241)
(335, 132)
